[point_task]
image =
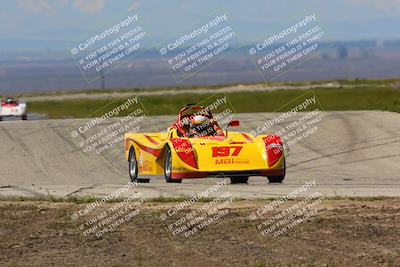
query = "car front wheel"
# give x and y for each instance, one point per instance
(168, 167)
(278, 179)
(133, 168)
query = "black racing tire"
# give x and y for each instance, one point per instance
(239, 179)
(1, 118)
(168, 167)
(24, 117)
(133, 168)
(275, 179)
(278, 179)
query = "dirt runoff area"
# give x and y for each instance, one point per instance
(334, 232)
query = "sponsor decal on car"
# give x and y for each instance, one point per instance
(231, 161)
(226, 151)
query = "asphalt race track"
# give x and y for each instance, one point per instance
(351, 154)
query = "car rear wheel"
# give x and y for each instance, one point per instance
(278, 179)
(168, 167)
(133, 168)
(24, 117)
(239, 179)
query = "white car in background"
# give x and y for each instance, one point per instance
(11, 107)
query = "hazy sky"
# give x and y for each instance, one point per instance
(60, 23)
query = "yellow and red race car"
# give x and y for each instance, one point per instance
(196, 147)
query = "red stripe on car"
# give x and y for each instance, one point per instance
(185, 151)
(248, 138)
(154, 152)
(151, 140)
(273, 145)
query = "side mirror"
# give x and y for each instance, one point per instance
(234, 123)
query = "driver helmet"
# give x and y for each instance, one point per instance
(199, 120)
